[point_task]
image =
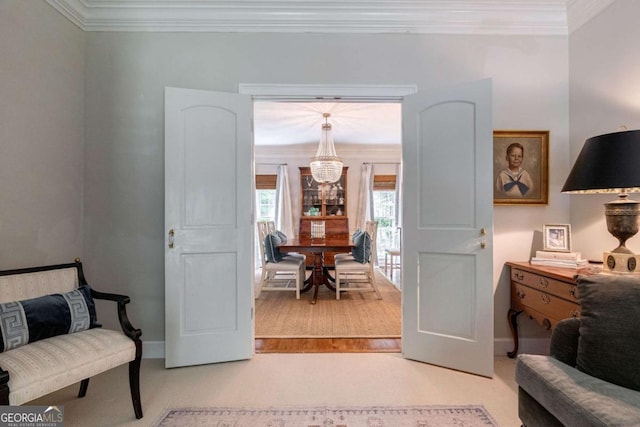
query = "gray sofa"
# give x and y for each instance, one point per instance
(592, 376)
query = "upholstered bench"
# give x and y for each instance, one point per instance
(51, 338)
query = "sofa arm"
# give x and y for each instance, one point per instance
(122, 301)
(564, 341)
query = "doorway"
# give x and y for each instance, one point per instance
(286, 134)
(447, 298)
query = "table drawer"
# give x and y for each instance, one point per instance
(542, 319)
(547, 285)
(549, 305)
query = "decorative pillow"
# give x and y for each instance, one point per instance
(356, 234)
(362, 250)
(271, 250)
(281, 236)
(609, 344)
(23, 322)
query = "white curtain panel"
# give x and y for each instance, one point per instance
(364, 212)
(284, 207)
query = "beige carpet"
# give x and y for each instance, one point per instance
(431, 416)
(355, 315)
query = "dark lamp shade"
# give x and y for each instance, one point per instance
(608, 163)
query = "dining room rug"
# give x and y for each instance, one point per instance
(371, 416)
(354, 315)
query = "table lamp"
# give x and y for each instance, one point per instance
(610, 163)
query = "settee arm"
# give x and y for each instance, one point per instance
(564, 341)
(122, 301)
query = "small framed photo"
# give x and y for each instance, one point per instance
(521, 167)
(557, 237)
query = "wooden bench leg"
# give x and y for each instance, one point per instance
(84, 384)
(134, 385)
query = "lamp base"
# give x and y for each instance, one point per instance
(617, 262)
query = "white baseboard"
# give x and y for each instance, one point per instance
(155, 349)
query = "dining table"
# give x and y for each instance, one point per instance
(317, 247)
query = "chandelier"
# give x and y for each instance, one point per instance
(326, 166)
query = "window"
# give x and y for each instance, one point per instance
(384, 211)
(266, 197)
(265, 205)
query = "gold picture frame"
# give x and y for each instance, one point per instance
(524, 181)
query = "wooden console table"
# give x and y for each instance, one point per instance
(546, 294)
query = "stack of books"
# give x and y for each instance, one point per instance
(559, 259)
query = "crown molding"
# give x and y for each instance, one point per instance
(534, 17)
(579, 12)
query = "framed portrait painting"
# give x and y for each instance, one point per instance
(521, 167)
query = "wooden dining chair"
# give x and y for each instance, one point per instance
(371, 228)
(285, 275)
(392, 256)
(352, 275)
(271, 228)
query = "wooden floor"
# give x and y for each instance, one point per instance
(328, 345)
(332, 345)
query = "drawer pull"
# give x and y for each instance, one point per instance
(546, 298)
(546, 323)
(543, 282)
(521, 294)
(519, 275)
(573, 292)
(574, 313)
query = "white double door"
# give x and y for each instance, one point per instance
(447, 302)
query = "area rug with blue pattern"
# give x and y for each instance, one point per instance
(374, 416)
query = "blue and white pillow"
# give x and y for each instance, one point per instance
(23, 322)
(362, 250)
(271, 250)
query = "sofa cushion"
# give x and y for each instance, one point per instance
(31, 320)
(271, 250)
(49, 365)
(362, 250)
(609, 344)
(574, 397)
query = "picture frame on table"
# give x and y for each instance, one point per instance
(556, 237)
(521, 167)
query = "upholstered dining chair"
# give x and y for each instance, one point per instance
(271, 228)
(285, 274)
(357, 273)
(369, 228)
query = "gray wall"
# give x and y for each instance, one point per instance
(605, 94)
(82, 129)
(41, 124)
(127, 72)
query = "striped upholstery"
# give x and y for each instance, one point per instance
(45, 366)
(18, 287)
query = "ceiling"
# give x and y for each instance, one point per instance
(284, 123)
(541, 17)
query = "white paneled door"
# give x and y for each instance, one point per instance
(447, 235)
(208, 220)
(447, 294)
